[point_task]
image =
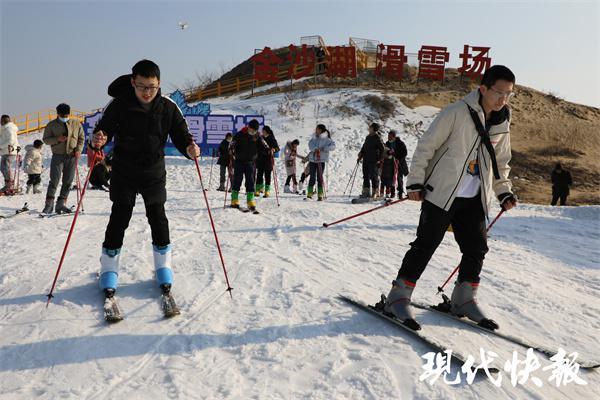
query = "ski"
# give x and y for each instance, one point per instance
(54, 215)
(21, 210)
(246, 210)
(361, 200)
(430, 342)
(168, 305)
(112, 312)
(513, 339)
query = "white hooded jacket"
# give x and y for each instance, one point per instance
(443, 152)
(8, 139)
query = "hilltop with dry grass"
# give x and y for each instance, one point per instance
(545, 130)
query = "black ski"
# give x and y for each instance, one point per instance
(64, 214)
(541, 349)
(432, 343)
(168, 305)
(112, 312)
(361, 200)
(21, 210)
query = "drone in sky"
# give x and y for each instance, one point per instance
(183, 25)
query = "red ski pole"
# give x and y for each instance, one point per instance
(229, 288)
(441, 288)
(386, 204)
(62, 257)
(275, 179)
(78, 183)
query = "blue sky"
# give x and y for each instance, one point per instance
(71, 50)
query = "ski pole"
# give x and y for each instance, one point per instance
(50, 295)
(349, 180)
(211, 168)
(229, 288)
(353, 179)
(18, 168)
(227, 184)
(275, 179)
(78, 183)
(386, 204)
(441, 288)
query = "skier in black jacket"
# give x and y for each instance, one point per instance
(371, 154)
(400, 154)
(266, 146)
(243, 148)
(224, 160)
(139, 119)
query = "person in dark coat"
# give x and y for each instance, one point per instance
(139, 119)
(389, 169)
(561, 180)
(243, 148)
(371, 154)
(400, 154)
(100, 176)
(266, 146)
(224, 160)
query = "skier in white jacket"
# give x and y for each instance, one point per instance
(459, 166)
(8, 151)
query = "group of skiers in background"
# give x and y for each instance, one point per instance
(249, 156)
(383, 163)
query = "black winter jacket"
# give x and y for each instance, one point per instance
(223, 153)
(244, 146)
(140, 136)
(264, 146)
(372, 150)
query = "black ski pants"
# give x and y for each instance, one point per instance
(469, 226)
(370, 175)
(243, 171)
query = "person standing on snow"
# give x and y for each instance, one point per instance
(65, 137)
(291, 152)
(266, 146)
(8, 151)
(223, 160)
(561, 180)
(319, 147)
(139, 119)
(400, 154)
(371, 154)
(34, 165)
(243, 149)
(459, 164)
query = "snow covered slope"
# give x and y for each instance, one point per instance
(284, 335)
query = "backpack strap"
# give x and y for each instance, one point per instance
(485, 139)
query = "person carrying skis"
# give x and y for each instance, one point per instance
(243, 149)
(34, 165)
(459, 164)
(139, 119)
(400, 154)
(371, 154)
(223, 160)
(319, 147)
(266, 146)
(291, 152)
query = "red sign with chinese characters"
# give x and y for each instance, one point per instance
(481, 61)
(432, 62)
(390, 60)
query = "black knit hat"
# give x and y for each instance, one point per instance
(253, 124)
(375, 126)
(63, 109)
